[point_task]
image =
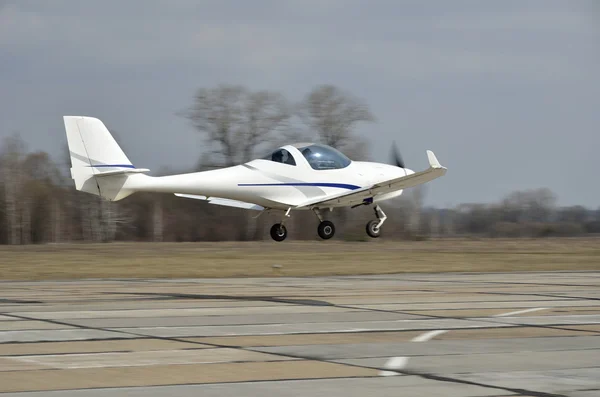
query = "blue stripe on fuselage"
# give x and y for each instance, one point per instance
(113, 165)
(319, 184)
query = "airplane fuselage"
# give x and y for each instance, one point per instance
(272, 184)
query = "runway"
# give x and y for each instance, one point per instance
(475, 334)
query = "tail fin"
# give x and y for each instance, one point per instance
(98, 165)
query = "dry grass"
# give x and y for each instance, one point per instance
(297, 258)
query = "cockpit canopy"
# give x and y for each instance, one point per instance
(320, 157)
(323, 157)
(281, 156)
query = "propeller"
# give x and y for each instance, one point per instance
(396, 156)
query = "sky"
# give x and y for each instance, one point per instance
(506, 93)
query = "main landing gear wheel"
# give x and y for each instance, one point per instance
(372, 229)
(326, 230)
(278, 232)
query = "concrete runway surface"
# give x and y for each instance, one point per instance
(500, 334)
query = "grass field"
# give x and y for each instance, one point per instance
(295, 258)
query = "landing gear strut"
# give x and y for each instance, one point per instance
(278, 230)
(326, 229)
(374, 226)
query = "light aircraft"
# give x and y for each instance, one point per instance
(301, 176)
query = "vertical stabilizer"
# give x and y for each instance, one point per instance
(98, 165)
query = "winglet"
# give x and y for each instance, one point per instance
(433, 161)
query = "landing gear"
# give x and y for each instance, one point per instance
(278, 232)
(372, 229)
(374, 226)
(326, 229)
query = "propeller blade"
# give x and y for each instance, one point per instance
(396, 156)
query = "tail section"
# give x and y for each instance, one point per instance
(98, 165)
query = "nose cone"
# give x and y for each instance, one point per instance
(387, 172)
(380, 172)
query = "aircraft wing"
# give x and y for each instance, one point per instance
(223, 201)
(357, 196)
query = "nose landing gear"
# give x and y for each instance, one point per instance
(374, 226)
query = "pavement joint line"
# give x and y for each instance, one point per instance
(563, 297)
(428, 316)
(475, 354)
(409, 311)
(141, 299)
(507, 283)
(522, 392)
(492, 320)
(146, 336)
(235, 382)
(68, 354)
(217, 345)
(311, 302)
(550, 326)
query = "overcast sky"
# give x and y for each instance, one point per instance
(506, 93)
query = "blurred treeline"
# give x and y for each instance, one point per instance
(38, 203)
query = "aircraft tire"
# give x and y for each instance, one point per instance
(326, 230)
(278, 232)
(371, 229)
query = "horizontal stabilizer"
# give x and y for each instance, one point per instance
(223, 201)
(123, 172)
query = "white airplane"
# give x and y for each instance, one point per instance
(302, 176)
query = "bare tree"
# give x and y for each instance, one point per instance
(157, 219)
(534, 205)
(90, 225)
(417, 198)
(13, 150)
(41, 210)
(434, 223)
(236, 121)
(333, 114)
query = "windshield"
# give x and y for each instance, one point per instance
(322, 157)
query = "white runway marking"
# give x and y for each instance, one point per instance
(429, 335)
(394, 364)
(535, 309)
(398, 363)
